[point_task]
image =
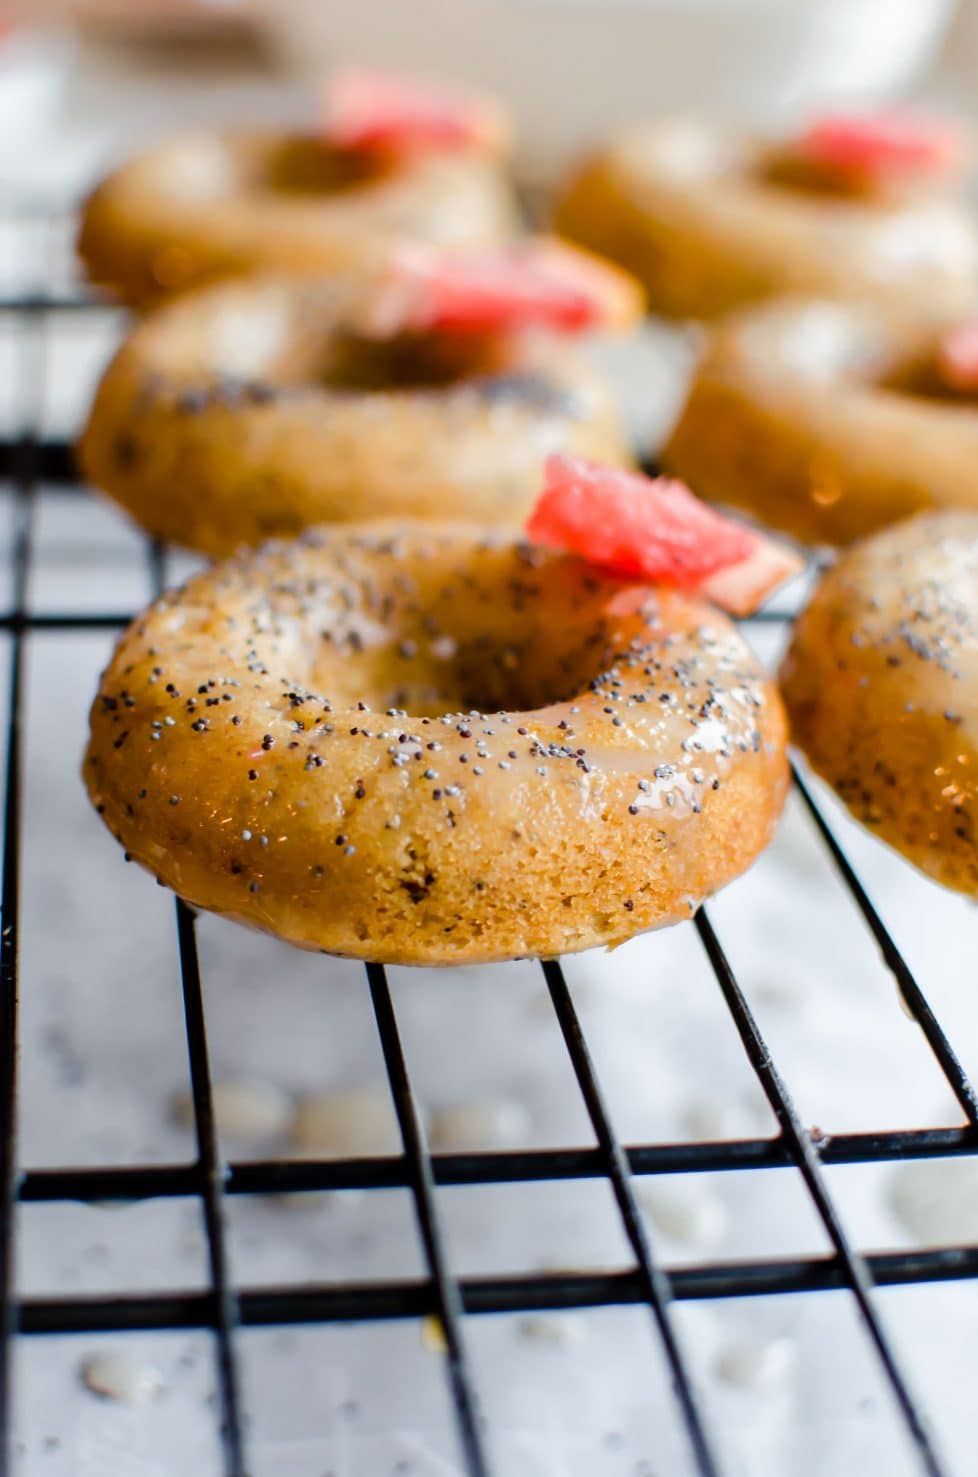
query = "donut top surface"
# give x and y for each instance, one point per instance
(270, 337)
(710, 219)
(911, 599)
(205, 205)
(826, 344)
(289, 174)
(419, 624)
(257, 408)
(688, 152)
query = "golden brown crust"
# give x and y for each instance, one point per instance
(698, 216)
(429, 744)
(204, 206)
(826, 420)
(881, 686)
(216, 426)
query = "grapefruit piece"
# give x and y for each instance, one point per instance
(378, 112)
(883, 145)
(540, 282)
(957, 355)
(657, 530)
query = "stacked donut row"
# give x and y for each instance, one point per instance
(417, 727)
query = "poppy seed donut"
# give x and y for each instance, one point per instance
(246, 411)
(432, 744)
(881, 686)
(204, 206)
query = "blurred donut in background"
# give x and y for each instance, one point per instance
(709, 218)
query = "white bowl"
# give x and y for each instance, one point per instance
(575, 69)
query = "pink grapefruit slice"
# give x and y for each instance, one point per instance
(655, 529)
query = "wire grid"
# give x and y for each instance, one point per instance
(27, 462)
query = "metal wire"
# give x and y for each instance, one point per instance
(536, 1293)
(655, 1282)
(853, 1268)
(30, 465)
(447, 1301)
(501, 1167)
(10, 913)
(910, 992)
(209, 1178)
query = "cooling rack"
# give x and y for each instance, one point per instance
(31, 463)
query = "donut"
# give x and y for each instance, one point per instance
(388, 160)
(830, 420)
(436, 744)
(709, 220)
(881, 687)
(251, 410)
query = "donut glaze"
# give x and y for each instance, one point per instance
(245, 411)
(826, 420)
(204, 206)
(432, 744)
(709, 221)
(881, 686)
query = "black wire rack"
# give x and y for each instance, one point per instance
(29, 463)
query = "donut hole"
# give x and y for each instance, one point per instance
(920, 376)
(785, 168)
(500, 638)
(425, 676)
(825, 341)
(530, 674)
(305, 165)
(299, 338)
(493, 674)
(409, 361)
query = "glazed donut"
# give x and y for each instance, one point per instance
(708, 221)
(432, 744)
(881, 686)
(250, 410)
(205, 206)
(827, 420)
